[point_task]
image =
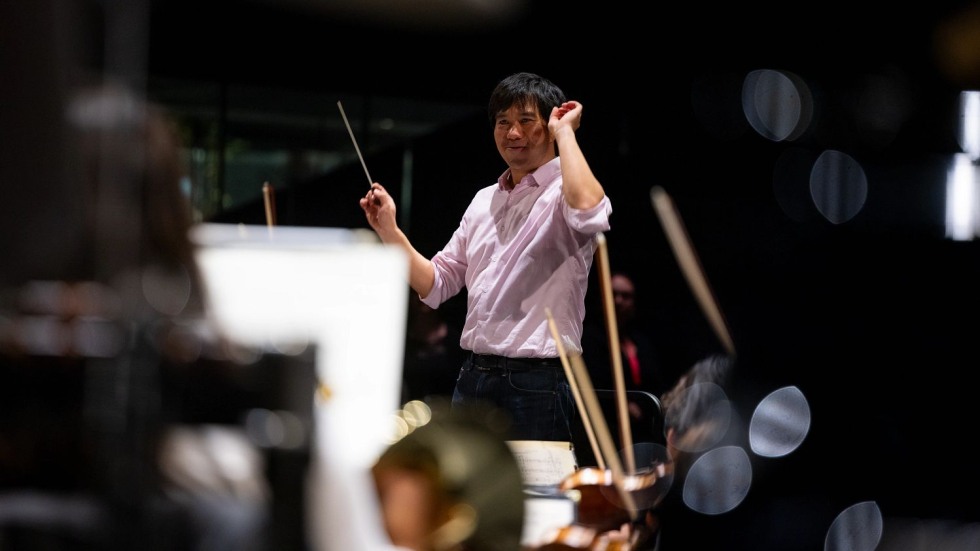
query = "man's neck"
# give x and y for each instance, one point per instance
(514, 178)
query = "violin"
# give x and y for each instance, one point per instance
(636, 535)
(574, 537)
(602, 508)
(609, 501)
(608, 516)
(604, 521)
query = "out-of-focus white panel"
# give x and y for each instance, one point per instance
(346, 293)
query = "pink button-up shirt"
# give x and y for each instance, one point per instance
(519, 253)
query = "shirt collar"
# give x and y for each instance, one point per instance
(543, 175)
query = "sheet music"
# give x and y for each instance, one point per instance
(543, 463)
(544, 515)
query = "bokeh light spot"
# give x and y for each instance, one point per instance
(780, 423)
(718, 481)
(838, 186)
(776, 104)
(857, 528)
(713, 414)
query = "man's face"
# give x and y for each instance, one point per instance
(523, 139)
(623, 296)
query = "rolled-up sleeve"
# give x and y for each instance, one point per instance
(593, 220)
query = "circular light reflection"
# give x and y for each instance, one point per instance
(780, 423)
(838, 186)
(704, 419)
(416, 413)
(275, 429)
(718, 481)
(777, 104)
(857, 528)
(652, 476)
(167, 291)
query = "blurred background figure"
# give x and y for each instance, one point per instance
(452, 484)
(432, 353)
(697, 418)
(697, 411)
(642, 364)
(659, 339)
(120, 400)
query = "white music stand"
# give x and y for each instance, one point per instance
(347, 293)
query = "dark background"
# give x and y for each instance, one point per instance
(874, 319)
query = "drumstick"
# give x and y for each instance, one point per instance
(358, 149)
(575, 390)
(268, 194)
(612, 331)
(690, 265)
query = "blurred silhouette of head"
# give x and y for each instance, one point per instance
(697, 411)
(452, 484)
(624, 297)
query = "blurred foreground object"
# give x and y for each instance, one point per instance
(108, 353)
(451, 484)
(147, 436)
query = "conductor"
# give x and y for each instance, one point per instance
(525, 244)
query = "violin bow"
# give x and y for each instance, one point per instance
(690, 265)
(581, 375)
(595, 424)
(269, 197)
(612, 330)
(576, 392)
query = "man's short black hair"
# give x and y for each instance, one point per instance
(524, 89)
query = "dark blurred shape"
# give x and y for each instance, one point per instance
(41, 214)
(697, 411)
(106, 349)
(642, 360)
(657, 342)
(956, 45)
(646, 423)
(432, 353)
(443, 15)
(452, 484)
(87, 447)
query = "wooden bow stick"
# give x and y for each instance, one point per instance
(612, 330)
(576, 391)
(595, 423)
(690, 265)
(269, 196)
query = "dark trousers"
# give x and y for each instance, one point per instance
(533, 393)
